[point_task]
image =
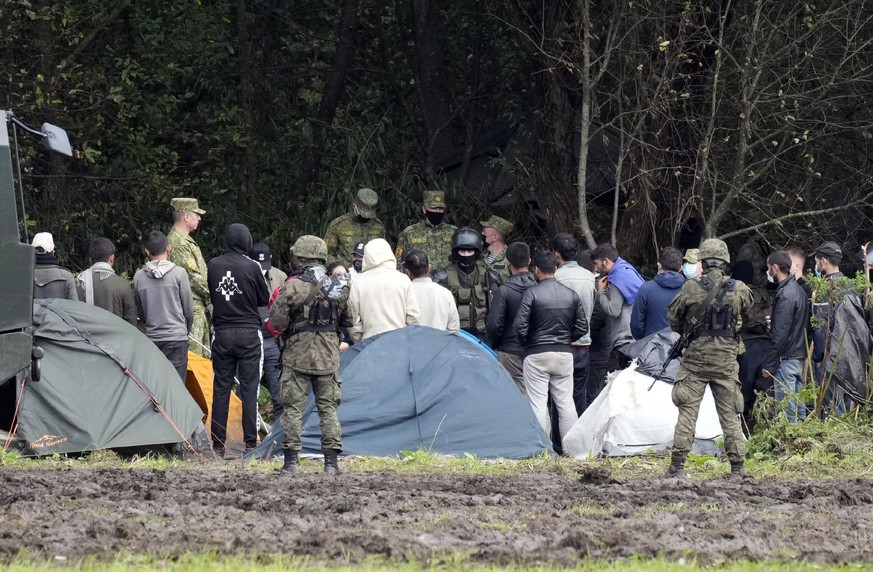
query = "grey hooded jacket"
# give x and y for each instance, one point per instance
(164, 301)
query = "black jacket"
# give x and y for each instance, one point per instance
(550, 317)
(789, 320)
(236, 283)
(501, 315)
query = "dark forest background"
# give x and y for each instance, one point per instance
(646, 123)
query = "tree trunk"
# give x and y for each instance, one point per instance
(431, 83)
(334, 87)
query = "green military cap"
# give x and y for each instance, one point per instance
(185, 205)
(366, 200)
(499, 224)
(692, 256)
(435, 199)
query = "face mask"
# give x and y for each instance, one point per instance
(689, 270)
(817, 271)
(358, 265)
(770, 278)
(465, 262)
(435, 218)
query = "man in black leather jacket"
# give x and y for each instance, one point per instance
(504, 308)
(789, 319)
(550, 317)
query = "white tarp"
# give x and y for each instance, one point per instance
(627, 419)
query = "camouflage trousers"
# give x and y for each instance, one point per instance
(328, 395)
(199, 332)
(687, 395)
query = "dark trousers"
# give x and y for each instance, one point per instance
(751, 362)
(272, 374)
(598, 363)
(177, 354)
(236, 350)
(580, 395)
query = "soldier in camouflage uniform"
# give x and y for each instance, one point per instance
(310, 310)
(185, 253)
(494, 231)
(359, 225)
(711, 356)
(433, 236)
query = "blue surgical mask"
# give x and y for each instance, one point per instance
(817, 271)
(689, 270)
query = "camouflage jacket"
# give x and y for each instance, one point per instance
(497, 264)
(313, 353)
(709, 355)
(344, 232)
(184, 252)
(469, 294)
(435, 241)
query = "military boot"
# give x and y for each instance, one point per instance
(737, 470)
(677, 467)
(331, 466)
(291, 462)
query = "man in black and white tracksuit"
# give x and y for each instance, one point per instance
(236, 289)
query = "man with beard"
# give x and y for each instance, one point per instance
(470, 282)
(433, 236)
(359, 225)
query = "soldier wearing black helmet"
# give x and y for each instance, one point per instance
(710, 309)
(470, 282)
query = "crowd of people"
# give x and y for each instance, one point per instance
(557, 318)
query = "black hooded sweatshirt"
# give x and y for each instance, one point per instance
(236, 283)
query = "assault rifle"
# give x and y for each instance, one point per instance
(691, 327)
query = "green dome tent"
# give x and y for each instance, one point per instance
(103, 385)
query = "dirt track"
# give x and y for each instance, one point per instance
(530, 518)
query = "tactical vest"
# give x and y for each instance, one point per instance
(470, 300)
(321, 307)
(718, 318)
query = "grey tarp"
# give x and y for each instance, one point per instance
(651, 353)
(424, 388)
(101, 381)
(849, 348)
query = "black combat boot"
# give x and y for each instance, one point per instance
(291, 462)
(737, 470)
(331, 466)
(677, 467)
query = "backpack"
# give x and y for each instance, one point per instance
(321, 308)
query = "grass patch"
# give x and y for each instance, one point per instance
(588, 509)
(446, 562)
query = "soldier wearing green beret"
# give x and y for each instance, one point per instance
(494, 231)
(433, 235)
(184, 252)
(359, 225)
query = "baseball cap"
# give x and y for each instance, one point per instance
(829, 249)
(43, 242)
(435, 199)
(692, 256)
(260, 253)
(367, 199)
(359, 249)
(186, 204)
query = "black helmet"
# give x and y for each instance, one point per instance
(467, 239)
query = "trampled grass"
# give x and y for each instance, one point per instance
(210, 561)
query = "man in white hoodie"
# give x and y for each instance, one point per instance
(381, 298)
(164, 302)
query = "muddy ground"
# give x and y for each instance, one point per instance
(529, 518)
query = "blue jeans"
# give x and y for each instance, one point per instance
(834, 396)
(788, 383)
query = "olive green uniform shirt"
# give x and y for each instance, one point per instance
(435, 241)
(344, 232)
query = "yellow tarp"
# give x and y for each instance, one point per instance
(199, 384)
